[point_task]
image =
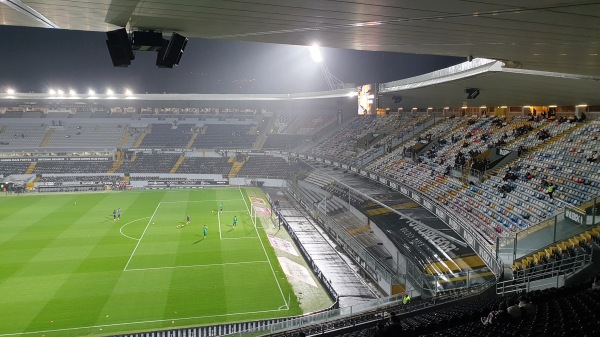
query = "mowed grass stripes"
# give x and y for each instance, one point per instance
(68, 269)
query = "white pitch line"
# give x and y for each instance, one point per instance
(186, 201)
(130, 222)
(242, 238)
(139, 322)
(219, 224)
(199, 265)
(141, 237)
(265, 251)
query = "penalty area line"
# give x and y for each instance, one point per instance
(130, 222)
(198, 265)
(265, 251)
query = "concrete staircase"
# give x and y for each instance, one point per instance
(124, 139)
(139, 140)
(235, 169)
(31, 168)
(117, 162)
(260, 141)
(177, 164)
(47, 137)
(192, 140)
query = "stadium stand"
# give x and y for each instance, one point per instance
(504, 199)
(268, 167)
(168, 136)
(225, 136)
(70, 166)
(205, 165)
(149, 163)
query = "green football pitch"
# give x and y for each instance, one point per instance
(68, 269)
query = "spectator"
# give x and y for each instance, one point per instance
(550, 190)
(527, 308)
(512, 308)
(406, 298)
(594, 158)
(496, 316)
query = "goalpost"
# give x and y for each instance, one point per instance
(252, 214)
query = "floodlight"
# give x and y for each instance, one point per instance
(52, 92)
(109, 92)
(10, 91)
(128, 92)
(315, 53)
(472, 93)
(119, 47)
(172, 50)
(91, 92)
(72, 92)
(60, 92)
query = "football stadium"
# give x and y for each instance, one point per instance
(463, 201)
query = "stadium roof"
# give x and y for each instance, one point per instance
(498, 85)
(548, 35)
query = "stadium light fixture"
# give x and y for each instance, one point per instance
(10, 91)
(352, 94)
(109, 92)
(315, 53)
(128, 92)
(91, 92)
(60, 92)
(582, 106)
(52, 92)
(552, 106)
(72, 92)
(472, 93)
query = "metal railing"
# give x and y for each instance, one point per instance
(546, 275)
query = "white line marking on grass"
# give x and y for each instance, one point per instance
(242, 238)
(139, 322)
(265, 251)
(141, 237)
(130, 222)
(180, 201)
(198, 265)
(219, 224)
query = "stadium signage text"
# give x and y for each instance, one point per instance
(431, 236)
(33, 159)
(576, 215)
(504, 152)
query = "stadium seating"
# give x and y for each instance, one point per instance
(205, 165)
(268, 167)
(225, 136)
(168, 136)
(150, 163)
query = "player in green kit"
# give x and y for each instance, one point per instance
(205, 231)
(221, 207)
(234, 221)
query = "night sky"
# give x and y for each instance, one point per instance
(36, 59)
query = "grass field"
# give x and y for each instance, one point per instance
(68, 269)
